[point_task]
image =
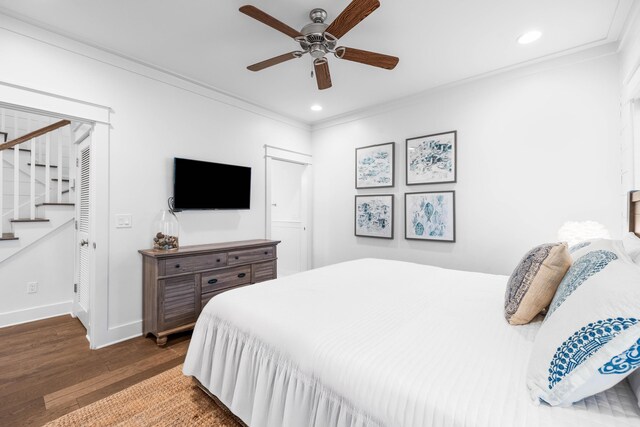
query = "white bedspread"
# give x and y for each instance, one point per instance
(377, 342)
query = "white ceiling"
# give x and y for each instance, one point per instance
(438, 42)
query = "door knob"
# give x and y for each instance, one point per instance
(84, 242)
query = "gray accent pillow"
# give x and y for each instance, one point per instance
(534, 281)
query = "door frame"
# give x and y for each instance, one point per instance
(284, 155)
(77, 110)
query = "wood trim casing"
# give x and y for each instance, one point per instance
(173, 289)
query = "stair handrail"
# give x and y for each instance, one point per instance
(34, 134)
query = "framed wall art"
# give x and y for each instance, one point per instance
(431, 159)
(374, 216)
(374, 166)
(430, 216)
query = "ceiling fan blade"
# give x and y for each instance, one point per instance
(269, 20)
(274, 61)
(323, 77)
(351, 16)
(366, 57)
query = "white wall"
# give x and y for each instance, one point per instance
(47, 263)
(630, 88)
(630, 51)
(155, 117)
(536, 147)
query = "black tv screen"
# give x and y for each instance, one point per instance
(206, 185)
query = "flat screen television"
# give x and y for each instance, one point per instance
(206, 185)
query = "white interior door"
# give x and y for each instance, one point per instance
(289, 214)
(83, 234)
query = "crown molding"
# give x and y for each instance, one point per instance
(35, 30)
(540, 65)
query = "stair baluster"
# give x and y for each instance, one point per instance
(47, 168)
(16, 171)
(32, 180)
(60, 139)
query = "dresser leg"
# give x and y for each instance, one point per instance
(161, 340)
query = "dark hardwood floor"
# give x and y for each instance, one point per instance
(48, 370)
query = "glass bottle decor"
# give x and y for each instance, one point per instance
(165, 231)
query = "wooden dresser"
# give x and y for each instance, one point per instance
(177, 284)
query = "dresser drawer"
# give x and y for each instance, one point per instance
(251, 255)
(189, 264)
(226, 278)
(263, 271)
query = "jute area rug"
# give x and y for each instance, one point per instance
(168, 399)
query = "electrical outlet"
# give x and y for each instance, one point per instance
(32, 287)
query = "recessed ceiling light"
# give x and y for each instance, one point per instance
(529, 37)
(316, 107)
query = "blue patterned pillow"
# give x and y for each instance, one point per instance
(590, 338)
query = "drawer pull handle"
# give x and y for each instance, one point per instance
(177, 265)
(266, 253)
(237, 257)
(241, 275)
(218, 260)
(212, 281)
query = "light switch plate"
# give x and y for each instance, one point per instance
(123, 221)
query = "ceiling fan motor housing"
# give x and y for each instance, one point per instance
(314, 40)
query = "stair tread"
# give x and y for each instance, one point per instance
(63, 179)
(30, 220)
(8, 236)
(55, 204)
(21, 149)
(42, 165)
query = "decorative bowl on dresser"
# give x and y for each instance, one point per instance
(177, 284)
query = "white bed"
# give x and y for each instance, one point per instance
(377, 342)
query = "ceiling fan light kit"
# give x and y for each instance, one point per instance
(319, 39)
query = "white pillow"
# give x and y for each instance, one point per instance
(631, 244)
(578, 249)
(590, 338)
(634, 381)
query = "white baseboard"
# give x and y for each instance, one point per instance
(35, 313)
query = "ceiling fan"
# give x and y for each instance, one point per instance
(318, 39)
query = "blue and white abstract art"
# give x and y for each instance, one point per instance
(430, 216)
(431, 159)
(374, 216)
(374, 166)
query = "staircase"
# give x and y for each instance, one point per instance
(36, 182)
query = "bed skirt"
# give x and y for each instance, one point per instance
(260, 386)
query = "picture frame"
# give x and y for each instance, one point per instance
(432, 159)
(430, 215)
(375, 166)
(3, 137)
(373, 216)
